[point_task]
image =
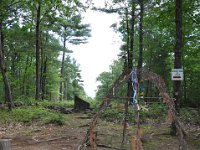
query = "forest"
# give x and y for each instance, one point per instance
(39, 79)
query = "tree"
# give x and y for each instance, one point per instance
(107, 79)
(72, 79)
(72, 35)
(178, 53)
(27, 26)
(141, 35)
(38, 50)
(6, 9)
(8, 94)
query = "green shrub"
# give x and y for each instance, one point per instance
(54, 118)
(27, 101)
(111, 114)
(4, 116)
(28, 114)
(156, 112)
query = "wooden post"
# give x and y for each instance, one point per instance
(5, 144)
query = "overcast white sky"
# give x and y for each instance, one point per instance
(100, 51)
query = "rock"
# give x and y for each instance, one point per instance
(18, 104)
(80, 104)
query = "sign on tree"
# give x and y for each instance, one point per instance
(177, 74)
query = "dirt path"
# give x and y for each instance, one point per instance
(47, 137)
(68, 137)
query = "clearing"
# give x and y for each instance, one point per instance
(38, 136)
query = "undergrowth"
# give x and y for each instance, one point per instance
(29, 114)
(190, 115)
(151, 113)
(45, 103)
(67, 104)
(155, 112)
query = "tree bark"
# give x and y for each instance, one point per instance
(130, 46)
(61, 76)
(127, 40)
(140, 60)
(178, 53)
(8, 93)
(44, 77)
(65, 90)
(24, 77)
(62, 67)
(130, 63)
(38, 57)
(177, 61)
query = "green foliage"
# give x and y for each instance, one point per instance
(159, 42)
(106, 79)
(72, 78)
(29, 114)
(5, 116)
(18, 20)
(111, 114)
(18, 31)
(67, 104)
(156, 112)
(54, 118)
(26, 101)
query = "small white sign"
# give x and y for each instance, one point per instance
(177, 74)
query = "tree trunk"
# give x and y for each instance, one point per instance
(8, 94)
(65, 90)
(130, 63)
(177, 60)
(61, 76)
(42, 57)
(38, 57)
(185, 87)
(130, 46)
(62, 67)
(44, 77)
(24, 77)
(140, 36)
(178, 53)
(127, 40)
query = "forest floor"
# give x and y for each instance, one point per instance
(38, 136)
